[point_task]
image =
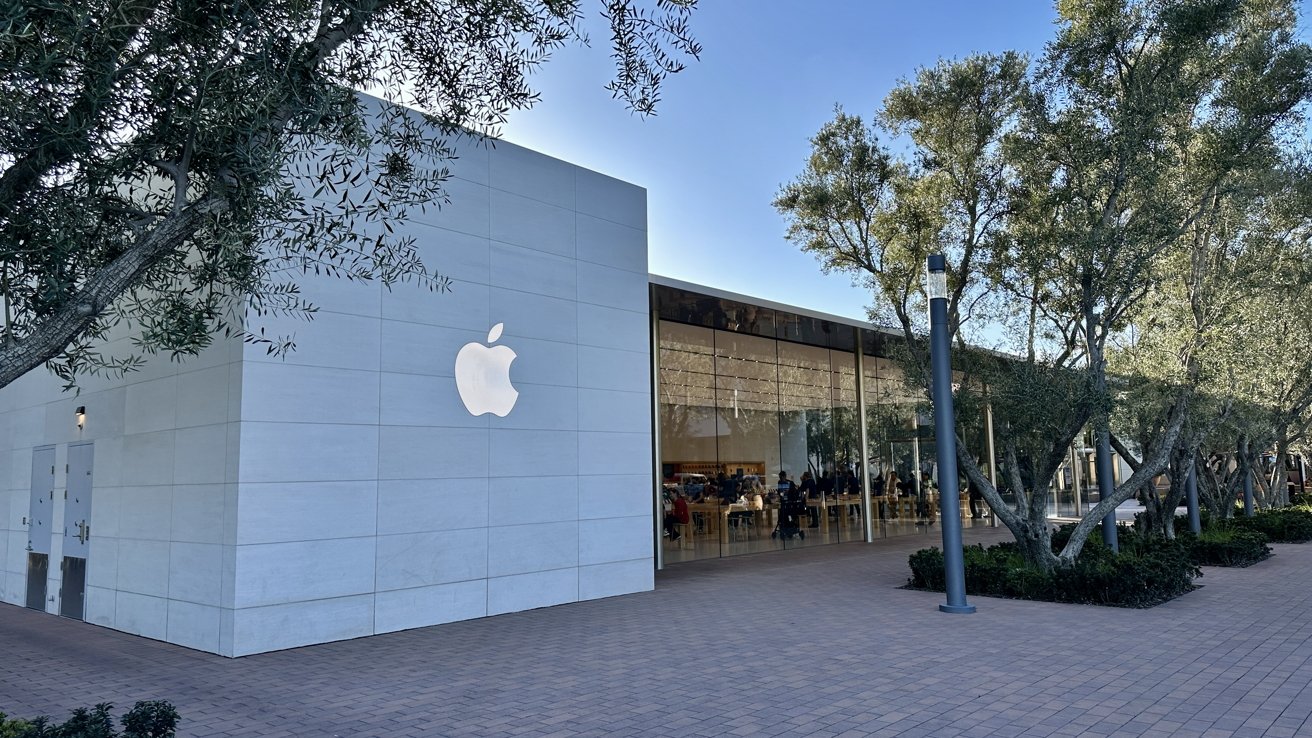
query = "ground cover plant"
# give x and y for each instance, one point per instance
(1146, 572)
(147, 719)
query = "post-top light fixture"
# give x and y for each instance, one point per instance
(936, 282)
(81, 415)
(945, 437)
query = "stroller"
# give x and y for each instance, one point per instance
(791, 509)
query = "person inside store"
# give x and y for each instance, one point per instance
(752, 494)
(917, 490)
(812, 495)
(750, 500)
(976, 498)
(877, 491)
(892, 488)
(850, 485)
(728, 488)
(791, 503)
(695, 488)
(676, 516)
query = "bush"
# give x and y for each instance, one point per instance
(1283, 525)
(1227, 547)
(12, 728)
(1127, 538)
(927, 570)
(150, 719)
(1146, 572)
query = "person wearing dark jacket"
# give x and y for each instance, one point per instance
(791, 504)
(973, 492)
(812, 495)
(729, 488)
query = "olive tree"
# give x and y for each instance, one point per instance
(1080, 175)
(175, 164)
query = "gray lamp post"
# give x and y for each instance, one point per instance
(945, 437)
(1249, 507)
(1191, 499)
(1103, 461)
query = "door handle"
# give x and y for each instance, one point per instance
(83, 531)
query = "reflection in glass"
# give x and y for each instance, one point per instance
(738, 405)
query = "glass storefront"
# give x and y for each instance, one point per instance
(760, 432)
(749, 392)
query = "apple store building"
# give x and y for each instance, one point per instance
(560, 426)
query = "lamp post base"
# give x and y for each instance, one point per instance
(957, 609)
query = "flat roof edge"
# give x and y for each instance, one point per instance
(664, 281)
(727, 295)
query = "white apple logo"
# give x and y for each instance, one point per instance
(483, 376)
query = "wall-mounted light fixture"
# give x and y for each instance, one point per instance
(81, 415)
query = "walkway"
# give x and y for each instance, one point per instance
(817, 642)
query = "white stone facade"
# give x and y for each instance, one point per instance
(244, 503)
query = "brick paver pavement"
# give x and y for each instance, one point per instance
(817, 642)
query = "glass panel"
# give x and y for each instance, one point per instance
(844, 483)
(737, 408)
(688, 440)
(923, 483)
(894, 446)
(1064, 494)
(747, 422)
(751, 319)
(806, 429)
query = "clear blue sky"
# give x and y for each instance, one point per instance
(734, 127)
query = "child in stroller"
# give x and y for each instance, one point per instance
(792, 505)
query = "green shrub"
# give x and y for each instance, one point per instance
(12, 728)
(1283, 525)
(927, 569)
(1146, 572)
(1228, 546)
(150, 719)
(1062, 536)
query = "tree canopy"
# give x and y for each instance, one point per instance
(175, 164)
(1070, 193)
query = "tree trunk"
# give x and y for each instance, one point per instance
(54, 333)
(1152, 465)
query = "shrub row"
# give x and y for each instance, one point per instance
(1145, 573)
(149, 719)
(1283, 525)
(1227, 547)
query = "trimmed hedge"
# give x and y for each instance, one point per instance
(1284, 525)
(1145, 573)
(1227, 547)
(149, 719)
